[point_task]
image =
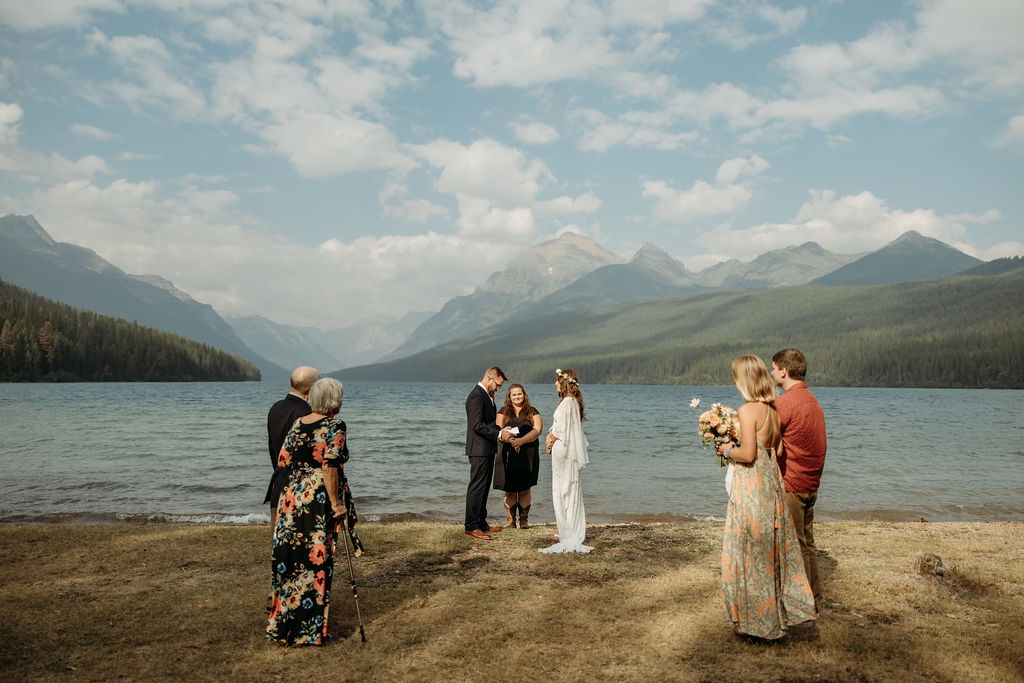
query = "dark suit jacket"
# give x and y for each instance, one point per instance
(280, 419)
(481, 432)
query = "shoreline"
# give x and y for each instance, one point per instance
(980, 515)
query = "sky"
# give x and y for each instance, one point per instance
(319, 162)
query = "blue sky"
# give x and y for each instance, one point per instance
(321, 161)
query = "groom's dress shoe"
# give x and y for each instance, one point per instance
(494, 529)
(478, 535)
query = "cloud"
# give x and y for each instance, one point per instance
(32, 165)
(533, 43)
(416, 211)
(1014, 133)
(322, 145)
(674, 206)
(585, 203)
(485, 169)
(633, 129)
(742, 24)
(87, 130)
(847, 225)
(160, 79)
(535, 133)
(243, 269)
(732, 169)
(53, 13)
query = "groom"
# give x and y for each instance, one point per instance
(804, 444)
(482, 436)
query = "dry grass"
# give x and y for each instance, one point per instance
(158, 602)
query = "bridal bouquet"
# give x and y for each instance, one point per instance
(718, 424)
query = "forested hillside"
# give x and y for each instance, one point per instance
(43, 340)
(959, 331)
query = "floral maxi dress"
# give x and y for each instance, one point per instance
(763, 579)
(305, 535)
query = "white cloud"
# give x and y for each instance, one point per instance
(643, 130)
(847, 225)
(732, 169)
(585, 203)
(35, 166)
(160, 77)
(416, 211)
(537, 42)
(10, 115)
(241, 270)
(703, 199)
(53, 13)
(485, 169)
(535, 133)
(480, 219)
(90, 131)
(1002, 250)
(747, 22)
(1014, 134)
(322, 145)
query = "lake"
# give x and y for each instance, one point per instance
(196, 452)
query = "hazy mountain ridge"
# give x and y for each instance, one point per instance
(651, 273)
(911, 256)
(958, 331)
(79, 277)
(533, 273)
(572, 273)
(290, 346)
(789, 266)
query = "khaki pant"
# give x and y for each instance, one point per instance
(801, 507)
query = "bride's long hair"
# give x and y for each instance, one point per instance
(569, 385)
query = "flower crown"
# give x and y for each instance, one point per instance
(567, 378)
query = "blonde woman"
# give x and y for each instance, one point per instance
(763, 579)
(568, 448)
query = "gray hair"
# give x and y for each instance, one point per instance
(325, 396)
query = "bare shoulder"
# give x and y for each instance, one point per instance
(747, 408)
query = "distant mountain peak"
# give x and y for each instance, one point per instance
(911, 236)
(25, 229)
(911, 256)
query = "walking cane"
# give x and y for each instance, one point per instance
(352, 578)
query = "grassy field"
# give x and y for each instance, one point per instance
(184, 602)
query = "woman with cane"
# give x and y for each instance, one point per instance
(308, 512)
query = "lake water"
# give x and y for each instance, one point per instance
(197, 453)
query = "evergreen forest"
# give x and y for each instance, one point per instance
(959, 331)
(42, 340)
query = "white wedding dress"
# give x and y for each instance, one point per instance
(568, 457)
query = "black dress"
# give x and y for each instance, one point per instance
(517, 471)
(305, 535)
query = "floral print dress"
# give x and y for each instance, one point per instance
(305, 535)
(763, 579)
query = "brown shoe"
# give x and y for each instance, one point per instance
(478, 535)
(494, 529)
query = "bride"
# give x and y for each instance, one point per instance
(568, 448)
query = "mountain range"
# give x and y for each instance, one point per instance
(77, 276)
(571, 273)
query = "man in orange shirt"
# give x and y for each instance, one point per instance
(804, 444)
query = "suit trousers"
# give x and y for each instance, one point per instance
(801, 507)
(481, 469)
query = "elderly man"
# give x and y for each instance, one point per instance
(280, 419)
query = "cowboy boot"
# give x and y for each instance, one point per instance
(524, 517)
(510, 516)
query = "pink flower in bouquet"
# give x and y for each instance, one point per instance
(720, 424)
